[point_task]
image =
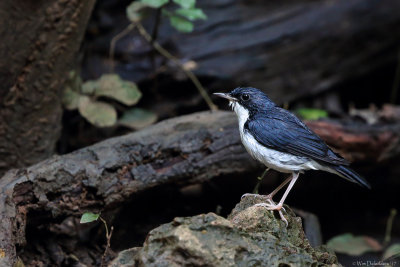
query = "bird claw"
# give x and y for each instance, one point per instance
(283, 218)
(272, 206)
(269, 206)
(272, 203)
(248, 195)
(283, 208)
(269, 199)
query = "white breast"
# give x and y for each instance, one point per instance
(276, 160)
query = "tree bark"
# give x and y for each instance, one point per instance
(360, 142)
(40, 40)
(183, 150)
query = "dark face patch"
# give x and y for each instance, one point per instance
(252, 99)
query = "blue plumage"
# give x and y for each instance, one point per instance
(280, 130)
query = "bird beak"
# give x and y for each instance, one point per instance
(227, 96)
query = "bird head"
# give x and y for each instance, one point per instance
(251, 99)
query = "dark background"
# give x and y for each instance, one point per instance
(332, 55)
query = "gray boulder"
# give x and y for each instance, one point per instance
(251, 236)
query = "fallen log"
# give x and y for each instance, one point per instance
(358, 141)
(290, 49)
(183, 150)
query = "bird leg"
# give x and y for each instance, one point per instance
(273, 193)
(278, 207)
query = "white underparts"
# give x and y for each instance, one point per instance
(276, 160)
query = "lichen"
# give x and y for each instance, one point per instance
(251, 236)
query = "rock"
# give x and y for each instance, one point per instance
(251, 236)
(125, 258)
(311, 226)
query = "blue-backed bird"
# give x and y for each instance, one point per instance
(281, 141)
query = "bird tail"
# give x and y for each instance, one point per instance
(351, 175)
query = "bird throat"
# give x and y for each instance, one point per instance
(241, 113)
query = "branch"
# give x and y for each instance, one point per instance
(115, 39)
(108, 245)
(171, 57)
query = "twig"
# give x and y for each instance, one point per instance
(389, 225)
(396, 82)
(156, 26)
(108, 237)
(260, 179)
(154, 36)
(169, 56)
(115, 39)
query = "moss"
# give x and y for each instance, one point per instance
(251, 236)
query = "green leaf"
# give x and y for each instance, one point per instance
(191, 14)
(88, 217)
(154, 3)
(392, 251)
(137, 118)
(112, 86)
(70, 95)
(185, 3)
(181, 24)
(353, 245)
(70, 98)
(74, 81)
(134, 11)
(89, 87)
(97, 113)
(311, 113)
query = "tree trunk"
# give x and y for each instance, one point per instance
(40, 40)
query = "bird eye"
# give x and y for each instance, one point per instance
(245, 97)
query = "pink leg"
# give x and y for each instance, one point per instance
(280, 204)
(272, 194)
(292, 182)
(278, 207)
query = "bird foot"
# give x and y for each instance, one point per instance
(272, 206)
(272, 203)
(248, 195)
(269, 199)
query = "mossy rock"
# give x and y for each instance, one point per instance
(251, 236)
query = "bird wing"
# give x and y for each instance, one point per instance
(280, 130)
